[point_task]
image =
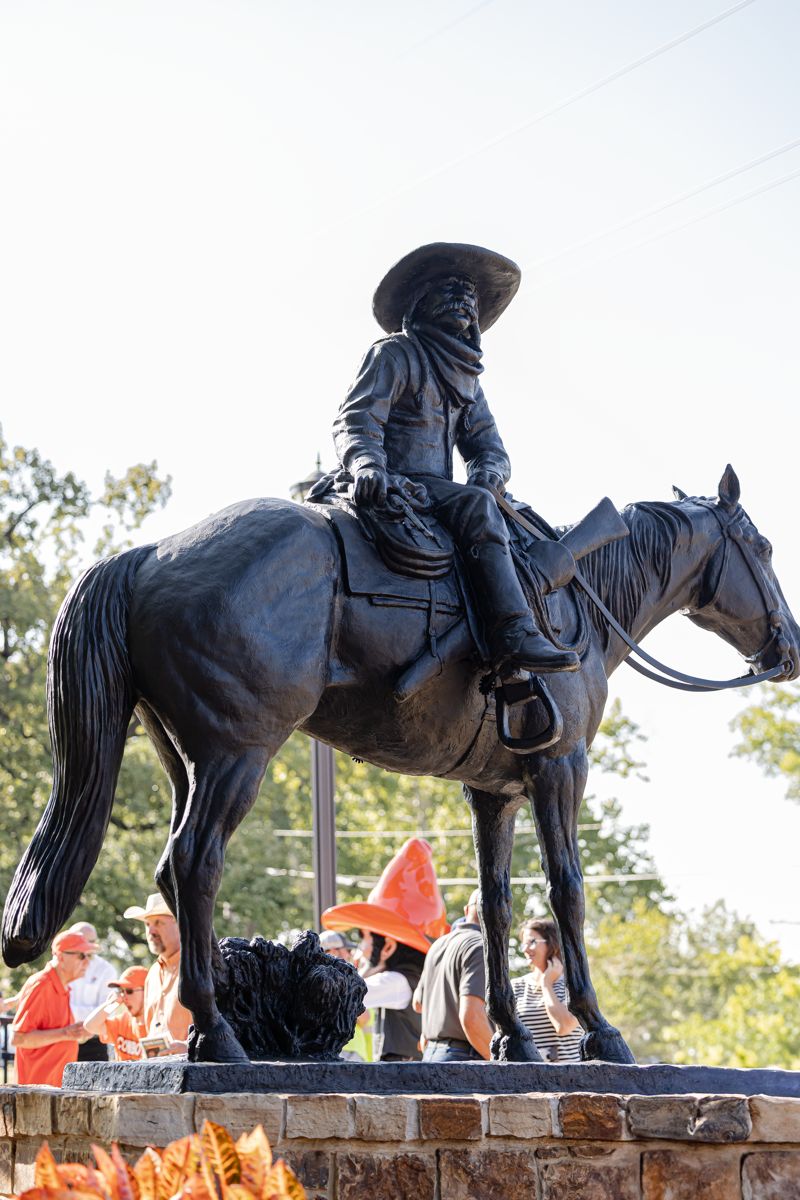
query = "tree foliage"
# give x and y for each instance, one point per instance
(769, 734)
(45, 518)
(707, 990)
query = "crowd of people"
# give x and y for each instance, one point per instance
(426, 984)
(79, 1006)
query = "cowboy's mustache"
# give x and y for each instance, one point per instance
(464, 304)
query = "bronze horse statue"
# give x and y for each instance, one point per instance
(229, 636)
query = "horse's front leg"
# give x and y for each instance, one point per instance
(556, 786)
(493, 831)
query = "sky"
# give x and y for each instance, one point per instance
(200, 197)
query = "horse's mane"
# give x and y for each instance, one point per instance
(621, 572)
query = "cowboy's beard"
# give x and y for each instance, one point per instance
(458, 321)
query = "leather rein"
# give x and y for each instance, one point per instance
(663, 673)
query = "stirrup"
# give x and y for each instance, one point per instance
(517, 691)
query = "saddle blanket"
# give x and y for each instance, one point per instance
(366, 574)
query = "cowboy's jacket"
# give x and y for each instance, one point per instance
(398, 417)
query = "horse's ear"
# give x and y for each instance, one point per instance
(729, 490)
(678, 494)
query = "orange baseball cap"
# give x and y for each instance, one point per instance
(130, 977)
(405, 903)
(71, 942)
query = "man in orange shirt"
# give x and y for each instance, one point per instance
(164, 1014)
(120, 1022)
(46, 1037)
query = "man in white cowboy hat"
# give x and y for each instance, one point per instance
(164, 1014)
(417, 397)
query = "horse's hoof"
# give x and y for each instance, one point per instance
(514, 1047)
(218, 1045)
(605, 1045)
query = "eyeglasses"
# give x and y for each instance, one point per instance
(128, 991)
(78, 953)
(534, 942)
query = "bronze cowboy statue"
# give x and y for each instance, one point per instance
(272, 616)
(417, 397)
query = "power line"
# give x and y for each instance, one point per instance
(406, 833)
(542, 879)
(666, 204)
(514, 130)
(443, 29)
(471, 881)
(710, 212)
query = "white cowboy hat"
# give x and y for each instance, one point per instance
(155, 906)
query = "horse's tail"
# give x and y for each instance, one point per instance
(90, 698)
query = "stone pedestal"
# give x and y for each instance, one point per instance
(502, 1146)
(464, 1078)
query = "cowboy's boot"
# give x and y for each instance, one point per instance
(515, 643)
(519, 646)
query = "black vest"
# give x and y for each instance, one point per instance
(398, 1030)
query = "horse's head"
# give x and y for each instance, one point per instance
(739, 596)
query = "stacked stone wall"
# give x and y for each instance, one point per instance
(500, 1147)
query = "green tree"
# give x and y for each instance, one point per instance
(769, 734)
(45, 518)
(705, 990)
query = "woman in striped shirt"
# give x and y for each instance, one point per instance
(541, 995)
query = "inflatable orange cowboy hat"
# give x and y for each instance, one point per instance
(405, 903)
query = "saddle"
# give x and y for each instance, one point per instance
(453, 625)
(435, 582)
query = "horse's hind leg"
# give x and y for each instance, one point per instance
(556, 787)
(493, 832)
(178, 777)
(224, 788)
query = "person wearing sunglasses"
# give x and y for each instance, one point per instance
(46, 1034)
(541, 995)
(90, 990)
(119, 1021)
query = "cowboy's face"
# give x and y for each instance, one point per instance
(451, 304)
(162, 934)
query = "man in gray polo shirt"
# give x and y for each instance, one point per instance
(451, 994)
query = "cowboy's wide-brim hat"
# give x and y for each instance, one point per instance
(155, 906)
(496, 279)
(405, 903)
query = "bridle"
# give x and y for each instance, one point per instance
(730, 523)
(730, 526)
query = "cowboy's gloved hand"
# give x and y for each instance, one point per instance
(489, 480)
(370, 486)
